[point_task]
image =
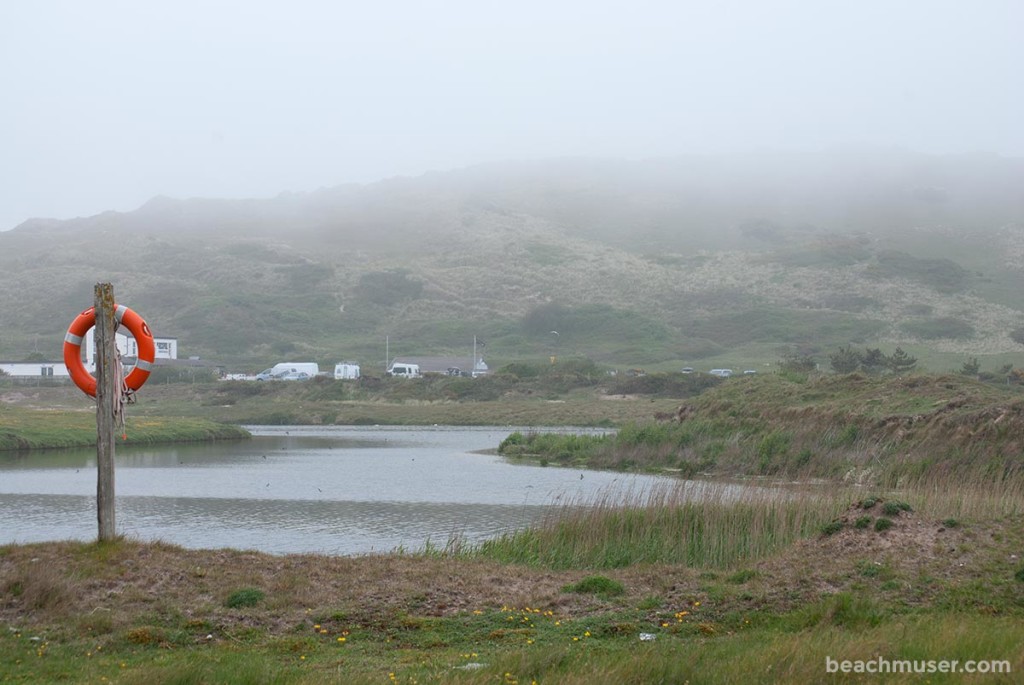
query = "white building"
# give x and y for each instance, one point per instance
(166, 348)
(35, 369)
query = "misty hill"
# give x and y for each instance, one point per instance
(633, 263)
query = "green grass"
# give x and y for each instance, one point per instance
(22, 428)
(597, 585)
(707, 527)
(796, 425)
(244, 597)
(523, 646)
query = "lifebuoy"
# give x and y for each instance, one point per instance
(73, 348)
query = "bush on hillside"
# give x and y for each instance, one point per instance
(389, 287)
(662, 384)
(940, 328)
(944, 275)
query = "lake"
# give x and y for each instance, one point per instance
(335, 490)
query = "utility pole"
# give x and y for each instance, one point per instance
(107, 380)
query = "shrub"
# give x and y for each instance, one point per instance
(389, 287)
(939, 328)
(798, 363)
(832, 527)
(845, 360)
(245, 597)
(515, 439)
(741, 577)
(891, 509)
(863, 522)
(883, 524)
(596, 585)
(944, 275)
(895, 508)
(971, 367)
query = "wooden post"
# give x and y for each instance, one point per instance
(106, 395)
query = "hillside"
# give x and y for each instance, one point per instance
(656, 263)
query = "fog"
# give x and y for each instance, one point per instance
(107, 104)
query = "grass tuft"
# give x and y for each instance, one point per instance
(244, 597)
(597, 585)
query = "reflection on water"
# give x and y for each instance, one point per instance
(276, 526)
(334, 490)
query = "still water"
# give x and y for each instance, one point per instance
(330, 490)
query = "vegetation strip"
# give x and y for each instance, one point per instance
(37, 429)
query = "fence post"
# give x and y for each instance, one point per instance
(106, 395)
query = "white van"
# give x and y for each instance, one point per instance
(346, 371)
(721, 373)
(403, 370)
(278, 371)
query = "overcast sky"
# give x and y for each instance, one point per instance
(106, 104)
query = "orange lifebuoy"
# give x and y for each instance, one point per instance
(73, 348)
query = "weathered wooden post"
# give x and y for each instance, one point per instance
(107, 379)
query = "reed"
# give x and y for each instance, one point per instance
(969, 497)
(704, 525)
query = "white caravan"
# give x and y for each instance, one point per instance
(403, 370)
(346, 371)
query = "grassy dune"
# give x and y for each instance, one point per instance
(856, 428)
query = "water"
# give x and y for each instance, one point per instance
(330, 490)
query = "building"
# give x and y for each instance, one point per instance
(166, 348)
(37, 370)
(166, 352)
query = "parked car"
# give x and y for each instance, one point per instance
(687, 369)
(295, 376)
(721, 373)
(277, 371)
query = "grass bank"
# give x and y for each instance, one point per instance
(335, 403)
(22, 428)
(886, 430)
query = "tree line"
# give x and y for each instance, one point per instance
(871, 361)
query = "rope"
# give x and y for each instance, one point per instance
(123, 396)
